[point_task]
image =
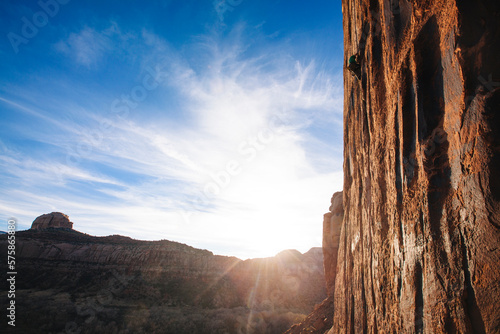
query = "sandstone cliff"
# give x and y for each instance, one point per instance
(419, 247)
(72, 282)
(419, 242)
(332, 223)
(52, 220)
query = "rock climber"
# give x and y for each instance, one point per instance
(354, 66)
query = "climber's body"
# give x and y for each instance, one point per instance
(354, 66)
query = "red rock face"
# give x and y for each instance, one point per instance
(419, 247)
(54, 219)
(332, 222)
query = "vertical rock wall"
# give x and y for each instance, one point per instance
(419, 248)
(332, 222)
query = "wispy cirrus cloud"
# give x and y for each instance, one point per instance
(230, 164)
(88, 46)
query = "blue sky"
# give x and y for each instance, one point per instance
(213, 123)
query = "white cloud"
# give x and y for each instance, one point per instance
(88, 46)
(233, 175)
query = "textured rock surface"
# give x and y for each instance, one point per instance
(419, 248)
(114, 284)
(54, 219)
(332, 222)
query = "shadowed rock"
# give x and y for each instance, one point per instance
(69, 281)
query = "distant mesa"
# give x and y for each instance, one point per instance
(53, 219)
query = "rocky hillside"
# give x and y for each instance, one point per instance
(71, 282)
